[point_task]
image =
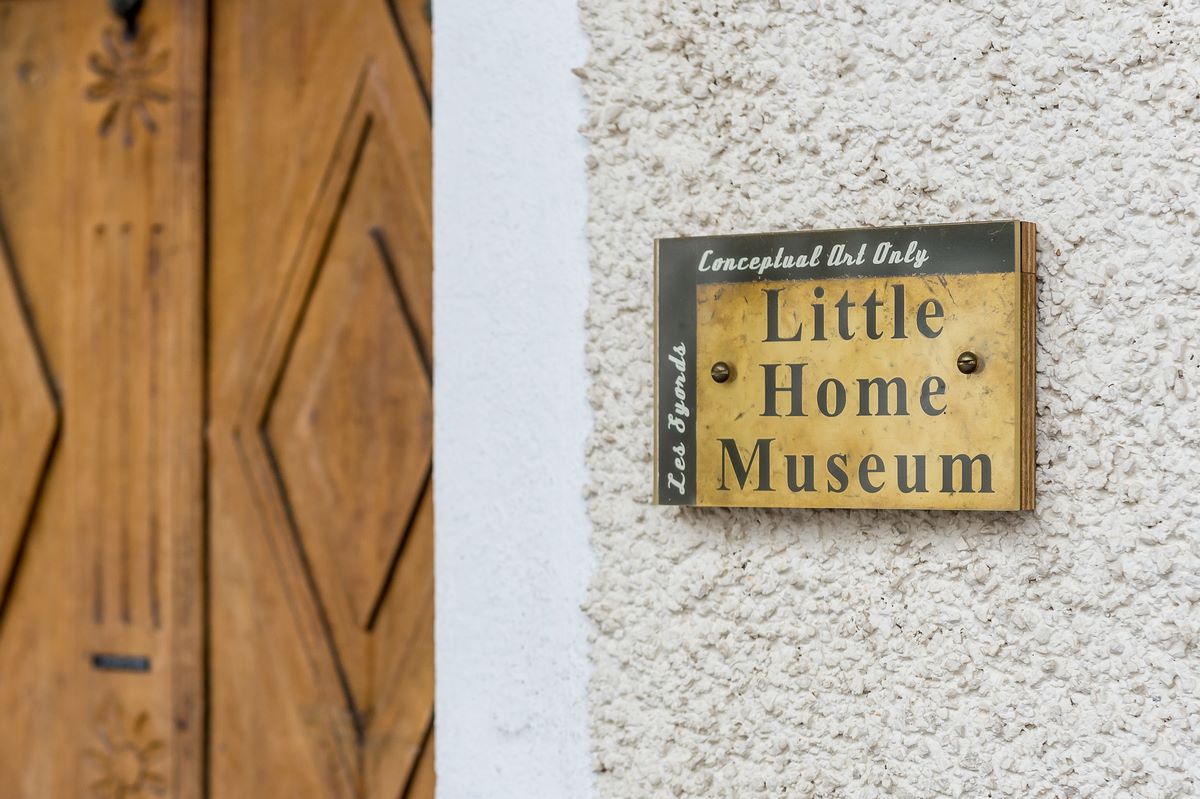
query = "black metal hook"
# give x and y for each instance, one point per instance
(128, 11)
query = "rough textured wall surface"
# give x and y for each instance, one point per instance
(861, 654)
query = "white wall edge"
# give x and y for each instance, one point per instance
(510, 292)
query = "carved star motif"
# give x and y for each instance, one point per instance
(126, 70)
(128, 755)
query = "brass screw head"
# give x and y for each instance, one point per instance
(721, 372)
(968, 362)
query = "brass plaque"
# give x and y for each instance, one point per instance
(866, 368)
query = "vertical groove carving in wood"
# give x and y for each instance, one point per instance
(132, 372)
(124, 274)
(101, 292)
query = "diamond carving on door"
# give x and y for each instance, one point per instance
(349, 424)
(29, 418)
(330, 403)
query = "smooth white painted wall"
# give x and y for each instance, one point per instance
(511, 282)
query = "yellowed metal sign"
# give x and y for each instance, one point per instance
(880, 368)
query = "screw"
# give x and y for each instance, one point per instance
(968, 362)
(721, 372)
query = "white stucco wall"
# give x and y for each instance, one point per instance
(511, 414)
(871, 654)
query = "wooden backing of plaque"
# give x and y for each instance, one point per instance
(1028, 252)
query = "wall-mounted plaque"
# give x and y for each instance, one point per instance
(865, 368)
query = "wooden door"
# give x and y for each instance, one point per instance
(215, 400)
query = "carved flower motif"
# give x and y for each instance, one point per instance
(128, 756)
(125, 71)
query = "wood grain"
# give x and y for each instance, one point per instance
(1028, 363)
(215, 325)
(102, 304)
(29, 420)
(413, 20)
(321, 324)
(38, 617)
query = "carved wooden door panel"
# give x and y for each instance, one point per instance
(101, 401)
(215, 400)
(322, 577)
